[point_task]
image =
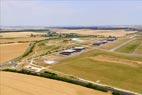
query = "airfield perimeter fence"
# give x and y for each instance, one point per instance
(75, 80)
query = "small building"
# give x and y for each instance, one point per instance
(77, 40)
(104, 41)
(78, 49)
(67, 52)
(98, 43)
(112, 39)
(49, 62)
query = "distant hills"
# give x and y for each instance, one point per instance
(46, 28)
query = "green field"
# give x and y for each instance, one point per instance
(114, 44)
(127, 76)
(139, 49)
(131, 46)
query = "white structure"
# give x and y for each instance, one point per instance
(79, 48)
(76, 39)
(49, 62)
(69, 50)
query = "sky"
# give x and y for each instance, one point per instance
(70, 12)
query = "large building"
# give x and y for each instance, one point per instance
(71, 51)
(78, 49)
(67, 52)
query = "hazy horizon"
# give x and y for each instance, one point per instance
(70, 13)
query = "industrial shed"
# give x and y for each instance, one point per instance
(67, 52)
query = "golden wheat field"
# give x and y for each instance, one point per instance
(20, 84)
(10, 51)
(116, 33)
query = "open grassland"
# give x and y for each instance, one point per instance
(131, 47)
(112, 45)
(20, 84)
(20, 37)
(10, 51)
(138, 50)
(106, 33)
(119, 70)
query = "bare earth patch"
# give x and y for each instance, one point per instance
(20, 84)
(106, 58)
(10, 51)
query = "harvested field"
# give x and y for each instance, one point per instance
(10, 51)
(20, 39)
(18, 34)
(20, 84)
(118, 70)
(106, 33)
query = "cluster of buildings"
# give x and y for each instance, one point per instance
(79, 49)
(73, 50)
(67, 52)
(98, 43)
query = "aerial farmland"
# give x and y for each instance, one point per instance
(105, 59)
(70, 47)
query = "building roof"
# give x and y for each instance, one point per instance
(76, 39)
(49, 61)
(69, 50)
(98, 42)
(79, 48)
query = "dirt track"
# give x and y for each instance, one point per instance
(20, 84)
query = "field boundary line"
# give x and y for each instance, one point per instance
(137, 48)
(113, 49)
(111, 88)
(75, 80)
